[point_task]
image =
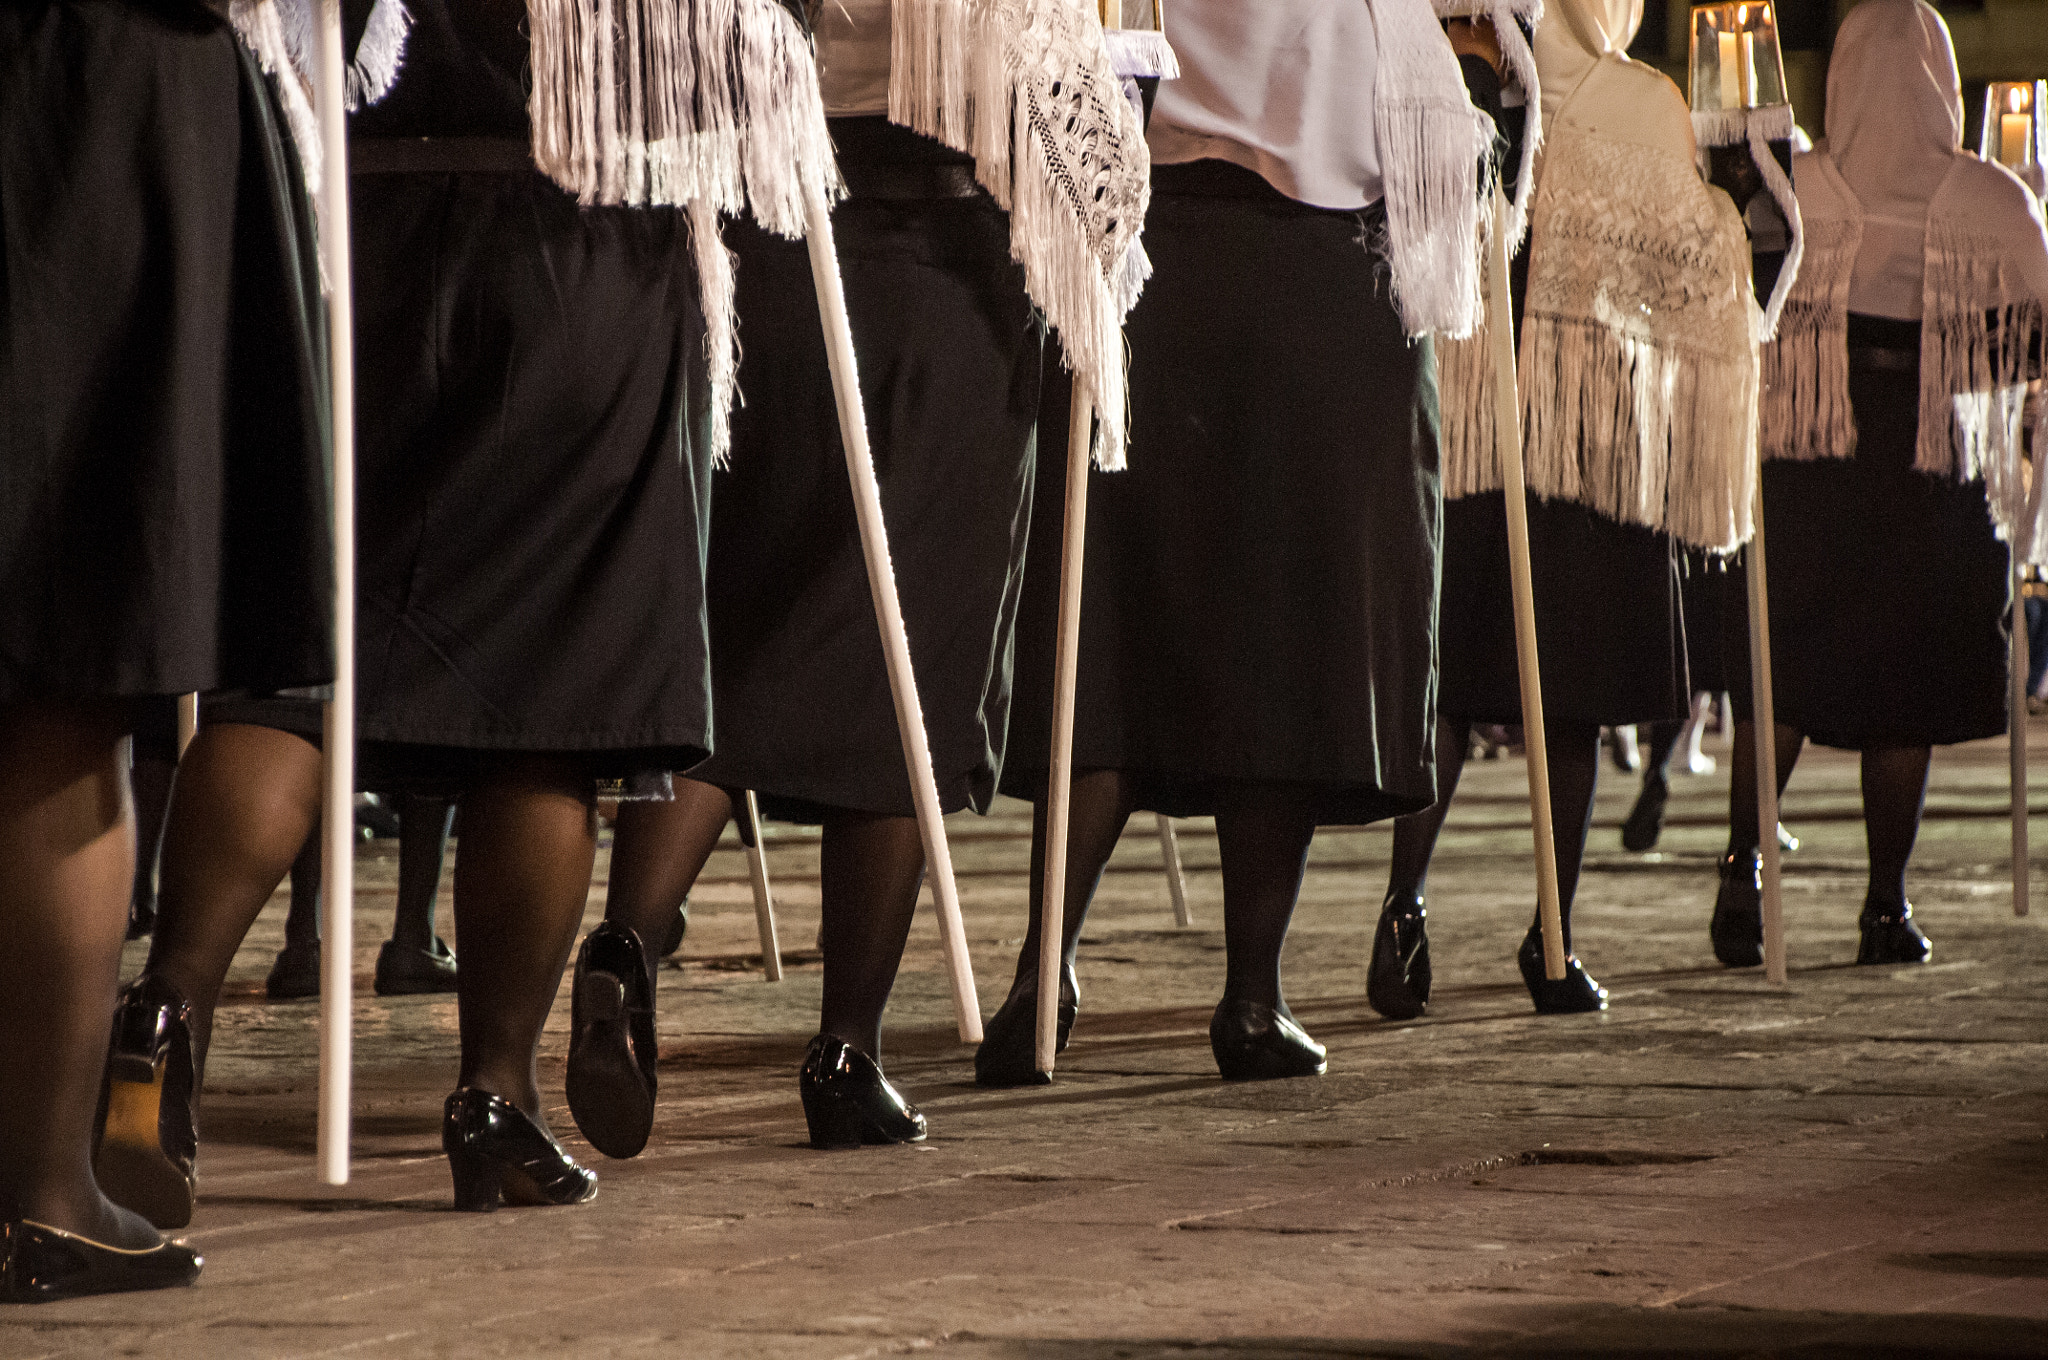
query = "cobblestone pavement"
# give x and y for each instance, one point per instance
(1850, 1165)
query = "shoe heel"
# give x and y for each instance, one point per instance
(602, 996)
(834, 1121)
(479, 1183)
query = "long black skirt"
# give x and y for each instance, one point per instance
(1259, 601)
(533, 474)
(1610, 633)
(1889, 589)
(163, 485)
(949, 355)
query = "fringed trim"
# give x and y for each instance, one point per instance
(1464, 380)
(378, 55)
(1733, 127)
(1664, 437)
(1027, 88)
(264, 30)
(1806, 413)
(1137, 52)
(1780, 186)
(1977, 338)
(1515, 48)
(711, 105)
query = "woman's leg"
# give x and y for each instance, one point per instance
(1397, 981)
(870, 870)
(1737, 929)
(1574, 763)
(423, 826)
(1262, 833)
(658, 849)
(1894, 795)
(295, 973)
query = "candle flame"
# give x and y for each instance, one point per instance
(2016, 98)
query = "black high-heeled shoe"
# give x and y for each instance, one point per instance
(39, 1264)
(612, 1048)
(1254, 1042)
(1008, 1055)
(1889, 934)
(1397, 980)
(848, 1102)
(1572, 994)
(295, 972)
(405, 971)
(146, 1158)
(1737, 929)
(497, 1154)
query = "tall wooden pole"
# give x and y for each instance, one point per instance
(1764, 713)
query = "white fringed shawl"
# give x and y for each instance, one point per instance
(281, 35)
(1027, 88)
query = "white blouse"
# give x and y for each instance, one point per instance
(1283, 87)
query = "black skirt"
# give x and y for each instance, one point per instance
(1259, 600)
(1610, 633)
(532, 474)
(163, 485)
(1889, 589)
(949, 356)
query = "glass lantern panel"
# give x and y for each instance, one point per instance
(1736, 62)
(2013, 132)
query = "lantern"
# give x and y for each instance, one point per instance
(1736, 63)
(2015, 132)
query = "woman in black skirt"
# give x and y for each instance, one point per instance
(1258, 615)
(532, 464)
(163, 528)
(1889, 585)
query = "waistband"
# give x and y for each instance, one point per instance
(439, 156)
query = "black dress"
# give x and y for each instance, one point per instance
(1259, 601)
(532, 474)
(163, 487)
(1890, 593)
(949, 357)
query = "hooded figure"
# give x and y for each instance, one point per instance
(1891, 430)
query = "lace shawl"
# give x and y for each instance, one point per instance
(1984, 294)
(1027, 88)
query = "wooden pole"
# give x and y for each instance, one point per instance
(874, 542)
(2017, 721)
(757, 872)
(1764, 713)
(338, 814)
(1507, 434)
(188, 721)
(1059, 786)
(1176, 881)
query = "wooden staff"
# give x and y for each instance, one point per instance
(188, 721)
(1764, 713)
(874, 543)
(1059, 789)
(338, 807)
(1507, 437)
(2017, 723)
(757, 872)
(1176, 881)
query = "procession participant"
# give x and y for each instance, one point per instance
(542, 385)
(940, 285)
(163, 528)
(1638, 378)
(1891, 431)
(1258, 610)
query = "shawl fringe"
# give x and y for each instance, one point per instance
(1732, 127)
(1806, 413)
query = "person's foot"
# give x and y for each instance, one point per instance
(403, 970)
(41, 1263)
(1397, 980)
(1890, 935)
(1008, 1055)
(295, 973)
(146, 1156)
(848, 1103)
(612, 1049)
(1571, 994)
(1646, 819)
(1737, 929)
(1254, 1042)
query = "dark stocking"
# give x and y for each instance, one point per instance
(529, 839)
(1663, 741)
(150, 776)
(302, 918)
(1742, 829)
(1574, 750)
(1098, 807)
(1262, 833)
(423, 825)
(870, 870)
(658, 849)
(67, 860)
(248, 800)
(1415, 835)
(1894, 792)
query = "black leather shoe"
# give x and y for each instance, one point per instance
(148, 1146)
(295, 974)
(1737, 929)
(1254, 1042)
(672, 940)
(1569, 995)
(1397, 981)
(404, 971)
(848, 1102)
(496, 1154)
(1890, 935)
(1646, 819)
(39, 1263)
(1008, 1055)
(612, 1049)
